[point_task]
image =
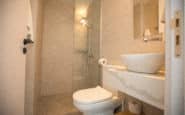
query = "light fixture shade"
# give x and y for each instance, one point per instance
(84, 22)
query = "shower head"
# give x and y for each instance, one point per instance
(84, 22)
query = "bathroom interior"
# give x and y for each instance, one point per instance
(96, 57)
(92, 57)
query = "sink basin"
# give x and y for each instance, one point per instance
(144, 63)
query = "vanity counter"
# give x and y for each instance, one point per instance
(148, 88)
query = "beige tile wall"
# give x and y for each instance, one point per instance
(94, 14)
(80, 71)
(86, 44)
(117, 32)
(57, 47)
(117, 39)
(65, 64)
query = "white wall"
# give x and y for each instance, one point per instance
(13, 23)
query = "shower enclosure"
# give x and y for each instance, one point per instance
(70, 46)
(86, 44)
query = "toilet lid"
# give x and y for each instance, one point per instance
(92, 95)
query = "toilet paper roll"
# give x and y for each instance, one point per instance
(102, 61)
(134, 107)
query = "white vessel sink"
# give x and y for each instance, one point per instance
(144, 63)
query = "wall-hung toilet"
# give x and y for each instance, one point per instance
(95, 101)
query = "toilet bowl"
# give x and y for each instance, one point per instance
(95, 101)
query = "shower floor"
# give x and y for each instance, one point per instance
(57, 105)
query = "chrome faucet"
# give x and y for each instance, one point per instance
(157, 37)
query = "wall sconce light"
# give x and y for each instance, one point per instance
(84, 22)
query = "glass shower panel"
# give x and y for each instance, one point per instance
(86, 44)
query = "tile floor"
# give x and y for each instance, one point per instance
(57, 105)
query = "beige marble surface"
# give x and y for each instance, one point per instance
(146, 87)
(57, 105)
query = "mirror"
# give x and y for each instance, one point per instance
(146, 18)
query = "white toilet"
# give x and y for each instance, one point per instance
(96, 101)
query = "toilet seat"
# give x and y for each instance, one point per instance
(92, 95)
